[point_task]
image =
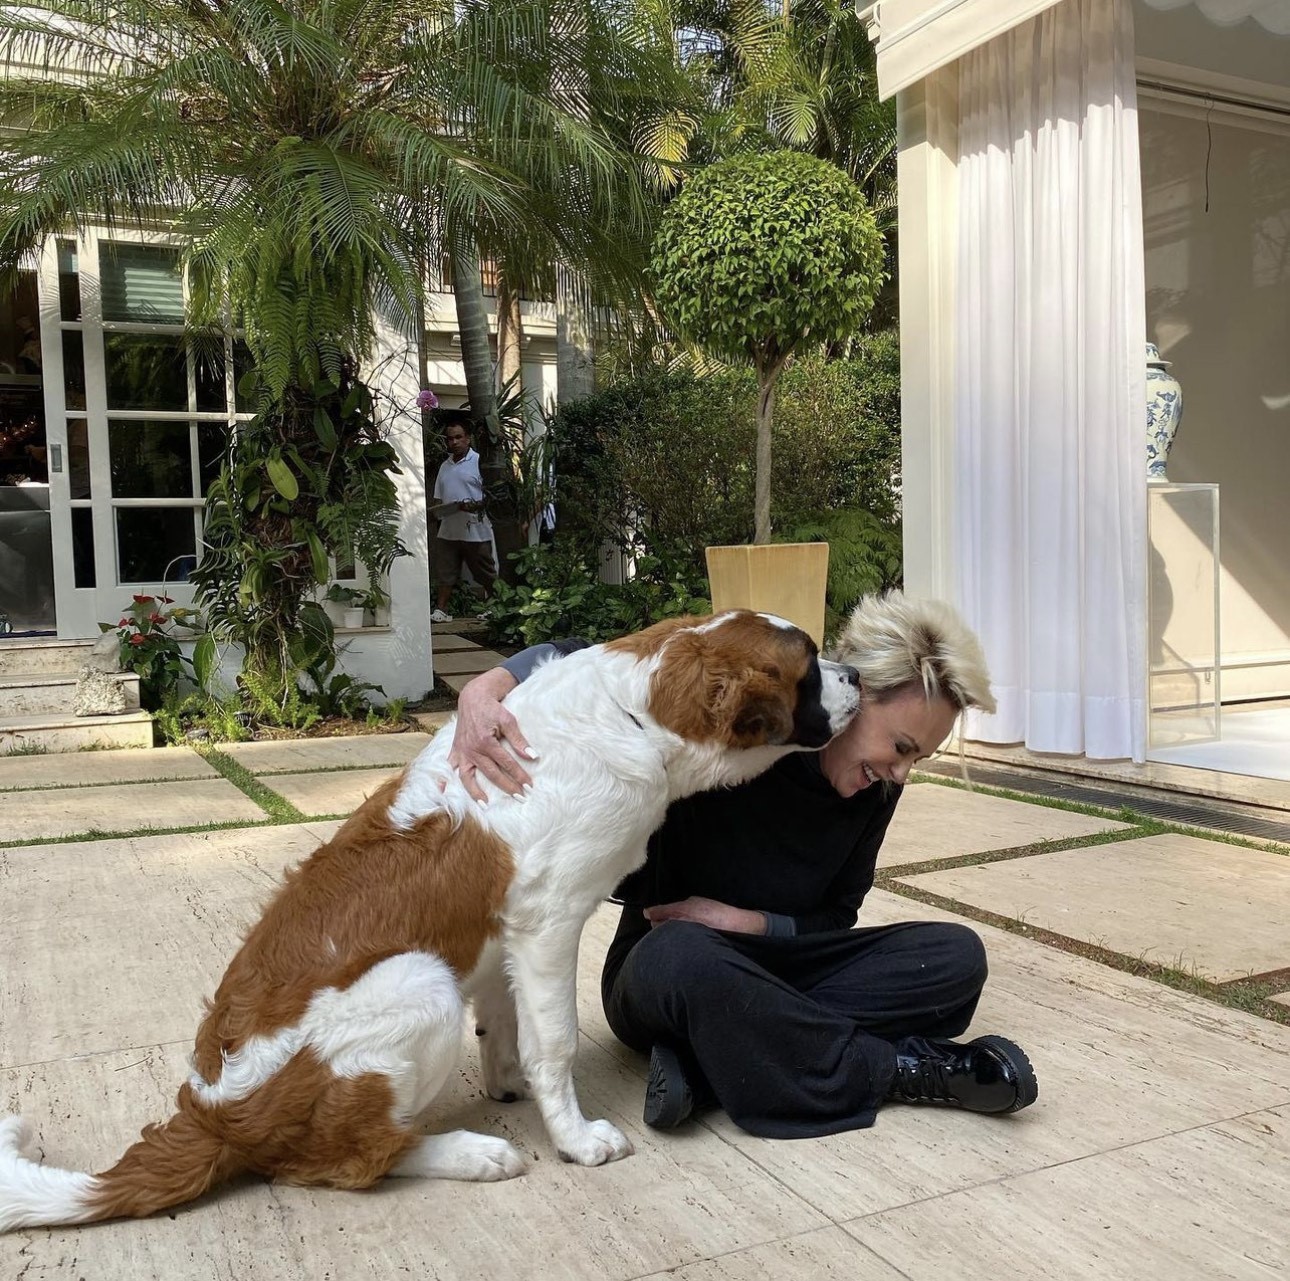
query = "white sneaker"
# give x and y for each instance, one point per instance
(439, 616)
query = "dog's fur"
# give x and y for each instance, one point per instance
(341, 1017)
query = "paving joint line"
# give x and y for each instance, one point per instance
(1225, 994)
(1072, 1160)
(1059, 845)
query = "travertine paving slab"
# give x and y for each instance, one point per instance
(72, 811)
(446, 642)
(338, 793)
(1201, 1204)
(456, 662)
(359, 751)
(75, 769)
(933, 821)
(1177, 900)
(1119, 1059)
(828, 1254)
(117, 942)
(665, 1206)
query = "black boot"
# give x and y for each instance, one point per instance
(669, 1094)
(990, 1074)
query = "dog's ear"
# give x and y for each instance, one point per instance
(762, 716)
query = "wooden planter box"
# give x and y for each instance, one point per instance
(787, 579)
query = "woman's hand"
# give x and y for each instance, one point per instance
(707, 911)
(487, 737)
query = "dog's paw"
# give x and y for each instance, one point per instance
(491, 1161)
(599, 1143)
(503, 1076)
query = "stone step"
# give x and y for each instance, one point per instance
(20, 657)
(465, 661)
(36, 693)
(53, 733)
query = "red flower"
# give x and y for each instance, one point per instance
(166, 600)
(138, 639)
(156, 618)
(125, 622)
(143, 600)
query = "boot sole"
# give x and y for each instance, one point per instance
(1011, 1052)
(668, 1100)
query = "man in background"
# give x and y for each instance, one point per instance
(465, 534)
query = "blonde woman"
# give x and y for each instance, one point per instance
(736, 965)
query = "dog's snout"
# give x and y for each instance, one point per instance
(850, 675)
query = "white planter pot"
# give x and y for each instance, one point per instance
(334, 611)
(381, 615)
(354, 616)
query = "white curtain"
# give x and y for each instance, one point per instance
(1050, 381)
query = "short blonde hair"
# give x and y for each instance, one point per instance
(894, 642)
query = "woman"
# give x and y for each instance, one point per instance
(735, 965)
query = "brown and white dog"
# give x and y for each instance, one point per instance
(342, 1015)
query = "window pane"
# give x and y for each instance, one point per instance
(83, 546)
(78, 457)
(144, 372)
(155, 544)
(69, 281)
(208, 369)
(212, 445)
(150, 460)
(242, 364)
(142, 283)
(73, 370)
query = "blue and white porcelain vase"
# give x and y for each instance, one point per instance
(1164, 412)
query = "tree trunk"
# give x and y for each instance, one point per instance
(477, 360)
(765, 413)
(575, 375)
(510, 338)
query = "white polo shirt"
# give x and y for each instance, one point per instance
(460, 482)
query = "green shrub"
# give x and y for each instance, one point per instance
(558, 593)
(672, 452)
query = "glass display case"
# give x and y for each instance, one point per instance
(1183, 614)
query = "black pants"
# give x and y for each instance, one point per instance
(793, 1036)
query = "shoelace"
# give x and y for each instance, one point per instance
(924, 1078)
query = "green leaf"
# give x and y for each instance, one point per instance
(318, 554)
(204, 660)
(324, 428)
(283, 478)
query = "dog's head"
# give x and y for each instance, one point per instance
(743, 680)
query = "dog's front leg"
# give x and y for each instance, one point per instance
(543, 975)
(499, 1056)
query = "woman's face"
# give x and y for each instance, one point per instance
(886, 739)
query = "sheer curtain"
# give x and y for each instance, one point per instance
(1050, 381)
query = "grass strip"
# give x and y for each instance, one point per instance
(129, 833)
(278, 808)
(1249, 995)
(1125, 814)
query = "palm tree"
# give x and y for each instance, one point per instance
(313, 154)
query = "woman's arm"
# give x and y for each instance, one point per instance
(487, 738)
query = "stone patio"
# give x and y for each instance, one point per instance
(1160, 1145)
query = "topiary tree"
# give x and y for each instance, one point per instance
(757, 253)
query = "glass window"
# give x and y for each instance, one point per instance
(145, 372)
(155, 544)
(69, 281)
(243, 363)
(83, 546)
(73, 369)
(212, 445)
(150, 460)
(208, 370)
(141, 283)
(78, 457)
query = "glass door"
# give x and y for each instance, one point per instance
(142, 410)
(26, 557)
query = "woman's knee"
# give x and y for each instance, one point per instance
(673, 953)
(964, 953)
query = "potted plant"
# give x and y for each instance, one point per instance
(347, 607)
(378, 603)
(754, 255)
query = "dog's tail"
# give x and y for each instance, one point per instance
(171, 1164)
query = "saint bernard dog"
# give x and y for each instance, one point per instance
(342, 1016)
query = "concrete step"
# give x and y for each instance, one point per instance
(22, 656)
(54, 733)
(36, 693)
